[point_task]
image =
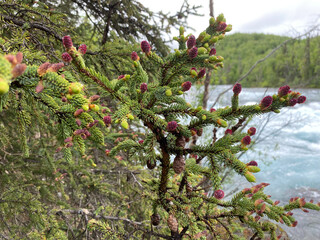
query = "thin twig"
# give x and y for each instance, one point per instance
(262, 60)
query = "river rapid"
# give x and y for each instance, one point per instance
(287, 150)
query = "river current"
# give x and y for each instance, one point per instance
(287, 150)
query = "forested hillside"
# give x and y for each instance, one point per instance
(297, 63)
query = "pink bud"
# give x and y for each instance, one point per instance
(78, 122)
(145, 47)
(186, 86)
(221, 27)
(191, 42)
(266, 102)
(213, 51)
(56, 67)
(19, 57)
(18, 70)
(70, 144)
(66, 57)
(78, 112)
(69, 139)
(172, 126)
(252, 163)
(94, 98)
(107, 120)
(67, 42)
(134, 56)
(293, 102)
(82, 49)
(42, 69)
(246, 140)
(302, 99)
(78, 132)
(143, 87)
(228, 131)
(202, 73)
(252, 131)
(284, 90)
(193, 52)
(218, 194)
(237, 89)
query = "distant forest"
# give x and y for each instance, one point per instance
(297, 63)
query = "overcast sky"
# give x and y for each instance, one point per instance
(282, 17)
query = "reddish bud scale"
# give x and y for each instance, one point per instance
(246, 190)
(284, 90)
(246, 140)
(58, 149)
(55, 67)
(87, 133)
(69, 139)
(186, 86)
(82, 49)
(107, 120)
(212, 110)
(202, 73)
(221, 27)
(218, 194)
(213, 51)
(12, 59)
(237, 89)
(78, 132)
(302, 99)
(266, 102)
(228, 131)
(42, 69)
(66, 57)
(193, 52)
(140, 141)
(191, 42)
(134, 56)
(121, 76)
(293, 102)
(252, 163)
(252, 131)
(172, 126)
(94, 98)
(67, 42)
(145, 47)
(78, 122)
(143, 87)
(19, 57)
(78, 112)
(18, 70)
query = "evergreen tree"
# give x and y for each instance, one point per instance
(97, 149)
